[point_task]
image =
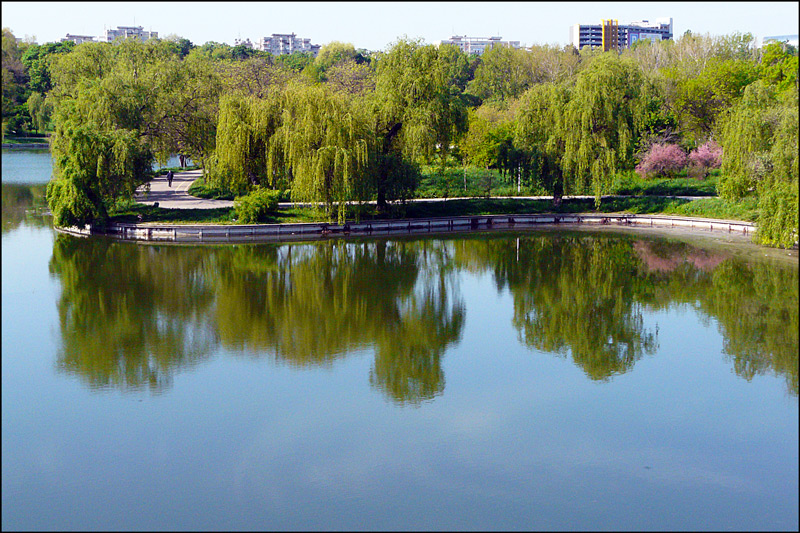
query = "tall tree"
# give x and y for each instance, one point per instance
(417, 111)
(601, 123)
(541, 130)
(325, 142)
(116, 107)
(504, 73)
(760, 153)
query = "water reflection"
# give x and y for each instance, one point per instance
(310, 304)
(132, 316)
(24, 203)
(572, 295)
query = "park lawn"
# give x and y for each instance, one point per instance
(22, 141)
(745, 210)
(452, 182)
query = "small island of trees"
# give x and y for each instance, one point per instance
(349, 126)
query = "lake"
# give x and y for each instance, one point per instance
(555, 379)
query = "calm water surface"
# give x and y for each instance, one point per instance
(525, 380)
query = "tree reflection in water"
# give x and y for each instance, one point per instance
(132, 316)
(310, 304)
(24, 202)
(572, 295)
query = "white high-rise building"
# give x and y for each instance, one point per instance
(477, 45)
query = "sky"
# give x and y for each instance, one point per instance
(375, 25)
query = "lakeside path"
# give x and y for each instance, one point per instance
(177, 197)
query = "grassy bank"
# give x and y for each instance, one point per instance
(452, 182)
(22, 141)
(706, 207)
(199, 189)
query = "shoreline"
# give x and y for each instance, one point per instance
(26, 146)
(285, 232)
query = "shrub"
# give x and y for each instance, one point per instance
(255, 206)
(705, 157)
(662, 160)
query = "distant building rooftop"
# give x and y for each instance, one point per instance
(787, 39)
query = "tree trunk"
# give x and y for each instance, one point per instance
(558, 193)
(382, 204)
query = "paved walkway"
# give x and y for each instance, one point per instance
(176, 197)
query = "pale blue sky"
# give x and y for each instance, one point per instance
(374, 25)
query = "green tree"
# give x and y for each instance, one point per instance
(417, 113)
(15, 82)
(602, 124)
(334, 53)
(779, 66)
(295, 61)
(116, 108)
(541, 130)
(39, 110)
(503, 73)
(37, 59)
(325, 142)
(698, 99)
(318, 141)
(351, 77)
(246, 124)
(760, 154)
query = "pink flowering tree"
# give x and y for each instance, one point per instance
(704, 158)
(662, 160)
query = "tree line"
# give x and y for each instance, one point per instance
(352, 126)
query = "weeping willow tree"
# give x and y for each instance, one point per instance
(760, 143)
(308, 137)
(325, 141)
(540, 130)
(417, 113)
(116, 108)
(245, 125)
(601, 124)
(102, 98)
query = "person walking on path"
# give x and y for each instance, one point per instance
(169, 178)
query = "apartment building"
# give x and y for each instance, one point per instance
(78, 39)
(129, 32)
(477, 45)
(610, 35)
(287, 43)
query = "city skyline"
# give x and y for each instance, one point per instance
(375, 26)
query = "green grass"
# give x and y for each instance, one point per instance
(448, 182)
(745, 210)
(222, 215)
(199, 189)
(9, 139)
(631, 184)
